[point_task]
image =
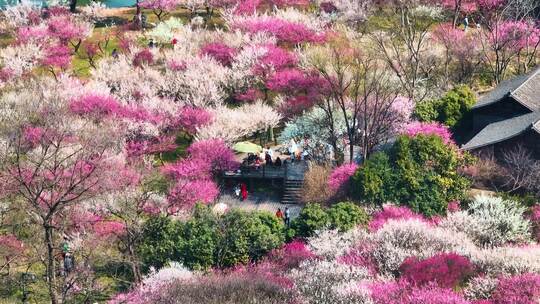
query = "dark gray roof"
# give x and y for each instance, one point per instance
(524, 88)
(528, 94)
(503, 130)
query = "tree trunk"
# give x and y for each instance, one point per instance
(271, 136)
(51, 271)
(134, 265)
(138, 16)
(72, 5)
(351, 150)
(134, 261)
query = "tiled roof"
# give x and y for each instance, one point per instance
(503, 130)
(524, 88)
(528, 94)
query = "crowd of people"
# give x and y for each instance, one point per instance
(266, 157)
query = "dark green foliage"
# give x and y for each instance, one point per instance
(247, 237)
(200, 239)
(455, 105)
(312, 218)
(346, 215)
(426, 173)
(452, 109)
(373, 182)
(160, 241)
(207, 240)
(421, 172)
(426, 111)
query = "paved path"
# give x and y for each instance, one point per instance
(259, 202)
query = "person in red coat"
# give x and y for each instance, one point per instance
(279, 214)
(243, 191)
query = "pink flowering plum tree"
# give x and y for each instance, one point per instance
(461, 52)
(339, 179)
(390, 212)
(509, 42)
(192, 177)
(287, 32)
(190, 119)
(432, 128)
(11, 250)
(523, 288)
(220, 52)
(291, 255)
(160, 8)
(54, 162)
(447, 270)
(403, 292)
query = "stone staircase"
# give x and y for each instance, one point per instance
(293, 181)
(292, 191)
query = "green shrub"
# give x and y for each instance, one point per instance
(420, 172)
(426, 111)
(160, 241)
(248, 237)
(455, 105)
(207, 240)
(312, 218)
(371, 183)
(426, 173)
(201, 241)
(346, 215)
(452, 109)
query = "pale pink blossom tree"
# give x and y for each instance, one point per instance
(159, 7)
(54, 163)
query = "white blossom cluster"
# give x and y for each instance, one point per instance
(233, 124)
(331, 243)
(491, 221)
(398, 240)
(321, 281)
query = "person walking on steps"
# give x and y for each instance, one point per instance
(287, 217)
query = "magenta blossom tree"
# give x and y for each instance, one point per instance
(446, 270)
(220, 52)
(339, 179)
(432, 128)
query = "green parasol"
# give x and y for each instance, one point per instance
(247, 147)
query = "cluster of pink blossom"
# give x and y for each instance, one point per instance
(10, 245)
(143, 57)
(220, 52)
(190, 119)
(106, 228)
(291, 255)
(276, 58)
(404, 292)
(339, 179)
(514, 35)
(101, 106)
(391, 212)
(288, 80)
(249, 95)
(432, 128)
(446, 269)
(285, 31)
(523, 288)
(193, 175)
